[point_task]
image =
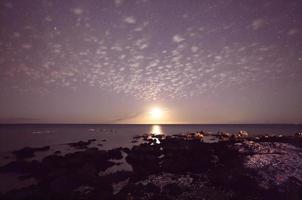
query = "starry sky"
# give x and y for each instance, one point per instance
(110, 61)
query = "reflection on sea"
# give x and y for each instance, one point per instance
(156, 130)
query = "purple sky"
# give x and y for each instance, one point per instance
(102, 61)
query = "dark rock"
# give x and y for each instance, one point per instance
(81, 144)
(179, 167)
(115, 153)
(243, 134)
(20, 166)
(173, 189)
(57, 152)
(29, 152)
(137, 137)
(298, 134)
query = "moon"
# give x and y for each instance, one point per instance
(156, 113)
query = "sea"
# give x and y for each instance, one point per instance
(13, 137)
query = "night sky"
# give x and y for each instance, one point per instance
(199, 61)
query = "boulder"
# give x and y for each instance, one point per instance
(243, 134)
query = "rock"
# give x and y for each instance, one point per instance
(274, 162)
(199, 136)
(83, 191)
(243, 134)
(173, 189)
(224, 134)
(29, 152)
(129, 196)
(298, 134)
(20, 166)
(81, 144)
(115, 153)
(214, 159)
(57, 152)
(180, 167)
(137, 137)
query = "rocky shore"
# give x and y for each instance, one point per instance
(187, 166)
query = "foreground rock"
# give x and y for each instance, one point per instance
(171, 167)
(274, 163)
(73, 176)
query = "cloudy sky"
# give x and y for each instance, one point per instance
(199, 61)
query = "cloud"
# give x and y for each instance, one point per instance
(194, 49)
(118, 2)
(178, 38)
(130, 20)
(26, 46)
(77, 11)
(258, 24)
(126, 117)
(293, 31)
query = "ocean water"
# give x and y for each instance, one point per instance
(13, 137)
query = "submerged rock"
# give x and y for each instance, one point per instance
(81, 144)
(29, 152)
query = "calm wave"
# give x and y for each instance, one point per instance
(14, 137)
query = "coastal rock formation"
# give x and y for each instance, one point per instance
(186, 166)
(274, 163)
(29, 152)
(81, 144)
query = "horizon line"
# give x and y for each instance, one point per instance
(70, 123)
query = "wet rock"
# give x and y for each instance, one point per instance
(223, 135)
(179, 167)
(144, 159)
(243, 134)
(66, 177)
(57, 152)
(115, 153)
(199, 136)
(214, 159)
(29, 152)
(172, 189)
(20, 166)
(118, 176)
(129, 196)
(298, 134)
(83, 191)
(81, 144)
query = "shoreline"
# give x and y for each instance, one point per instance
(180, 166)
